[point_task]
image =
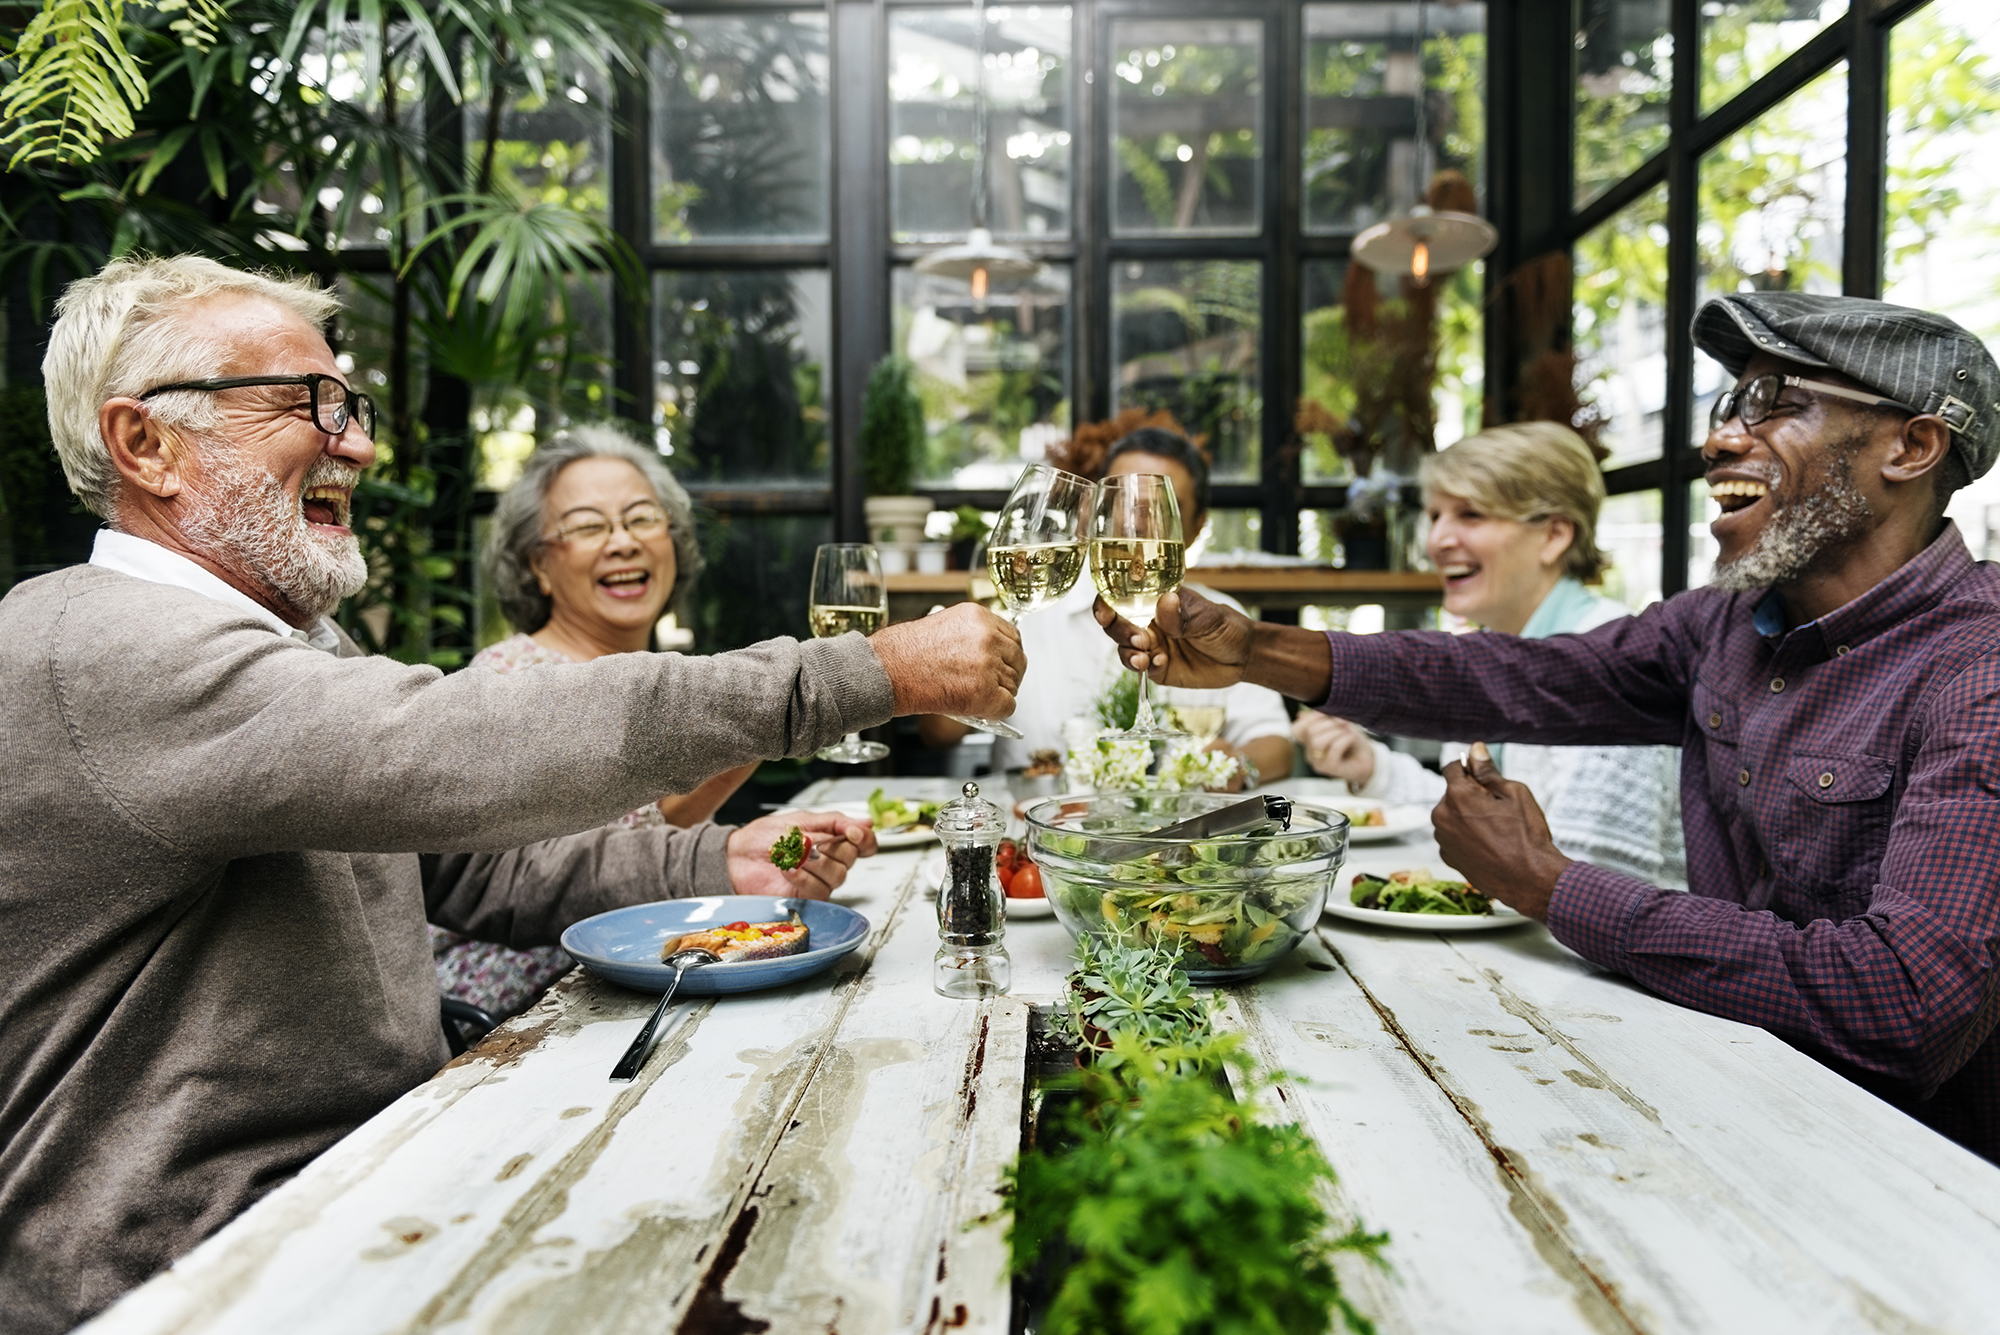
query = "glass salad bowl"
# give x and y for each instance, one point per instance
(1236, 904)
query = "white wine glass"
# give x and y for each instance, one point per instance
(1035, 551)
(1136, 557)
(849, 593)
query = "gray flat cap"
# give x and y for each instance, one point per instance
(1926, 360)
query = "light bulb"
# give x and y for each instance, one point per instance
(1420, 262)
(979, 283)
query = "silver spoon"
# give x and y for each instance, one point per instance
(635, 1056)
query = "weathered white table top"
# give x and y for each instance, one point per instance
(1550, 1149)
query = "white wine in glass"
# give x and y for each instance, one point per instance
(1035, 551)
(848, 593)
(1136, 558)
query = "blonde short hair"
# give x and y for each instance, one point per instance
(1529, 471)
(131, 326)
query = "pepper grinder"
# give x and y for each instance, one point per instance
(971, 962)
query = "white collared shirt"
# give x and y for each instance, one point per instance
(149, 561)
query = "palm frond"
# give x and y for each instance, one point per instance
(76, 82)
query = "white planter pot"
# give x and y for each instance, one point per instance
(897, 519)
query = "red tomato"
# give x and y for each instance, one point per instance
(737, 927)
(1027, 883)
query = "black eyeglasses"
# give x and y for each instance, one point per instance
(1754, 399)
(344, 403)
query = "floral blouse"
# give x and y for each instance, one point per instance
(493, 977)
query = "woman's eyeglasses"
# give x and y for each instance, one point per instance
(591, 529)
(334, 404)
(1753, 400)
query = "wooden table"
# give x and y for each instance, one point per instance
(1550, 1148)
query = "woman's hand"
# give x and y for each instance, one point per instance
(1335, 747)
(837, 841)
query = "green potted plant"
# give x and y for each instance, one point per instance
(892, 441)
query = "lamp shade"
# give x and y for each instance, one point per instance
(1425, 242)
(978, 255)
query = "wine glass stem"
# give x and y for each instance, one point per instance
(1143, 719)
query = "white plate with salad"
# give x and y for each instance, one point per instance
(1373, 822)
(1423, 903)
(900, 822)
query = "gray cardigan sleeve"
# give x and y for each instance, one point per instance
(220, 740)
(525, 897)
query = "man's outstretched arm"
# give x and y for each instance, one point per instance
(1194, 642)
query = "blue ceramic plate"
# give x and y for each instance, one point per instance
(624, 944)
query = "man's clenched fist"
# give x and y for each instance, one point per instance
(963, 660)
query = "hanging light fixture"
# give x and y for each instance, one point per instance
(978, 261)
(1430, 239)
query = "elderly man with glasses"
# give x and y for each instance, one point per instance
(213, 957)
(1835, 692)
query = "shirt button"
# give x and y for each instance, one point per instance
(1777, 684)
(1839, 650)
(1743, 777)
(1715, 720)
(1826, 779)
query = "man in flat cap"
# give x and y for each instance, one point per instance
(1835, 692)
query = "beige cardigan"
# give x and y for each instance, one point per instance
(213, 961)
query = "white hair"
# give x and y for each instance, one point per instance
(133, 325)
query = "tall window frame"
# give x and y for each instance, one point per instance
(1538, 100)
(861, 255)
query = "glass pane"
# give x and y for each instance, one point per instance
(351, 203)
(570, 380)
(1229, 534)
(739, 387)
(741, 137)
(993, 374)
(1184, 338)
(1628, 531)
(933, 121)
(758, 578)
(1942, 252)
(552, 148)
(1773, 198)
(1743, 40)
(1187, 99)
(1360, 107)
(1702, 547)
(1624, 72)
(1410, 381)
(1620, 316)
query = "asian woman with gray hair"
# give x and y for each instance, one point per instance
(589, 548)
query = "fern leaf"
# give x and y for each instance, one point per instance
(76, 84)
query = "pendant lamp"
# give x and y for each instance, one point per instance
(977, 261)
(1434, 237)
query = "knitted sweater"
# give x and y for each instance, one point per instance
(213, 961)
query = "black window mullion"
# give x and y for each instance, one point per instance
(1867, 154)
(631, 218)
(1279, 369)
(858, 39)
(1096, 242)
(1089, 328)
(1683, 174)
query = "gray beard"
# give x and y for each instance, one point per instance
(242, 518)
(1800, 535)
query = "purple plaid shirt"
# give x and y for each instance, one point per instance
(1840, 785)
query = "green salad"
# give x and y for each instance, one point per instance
(1223, 902)
(893, 813)
(1417, 892)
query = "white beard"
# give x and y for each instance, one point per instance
(242, 518)
(1797, 536)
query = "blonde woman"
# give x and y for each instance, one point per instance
(1513, 515)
